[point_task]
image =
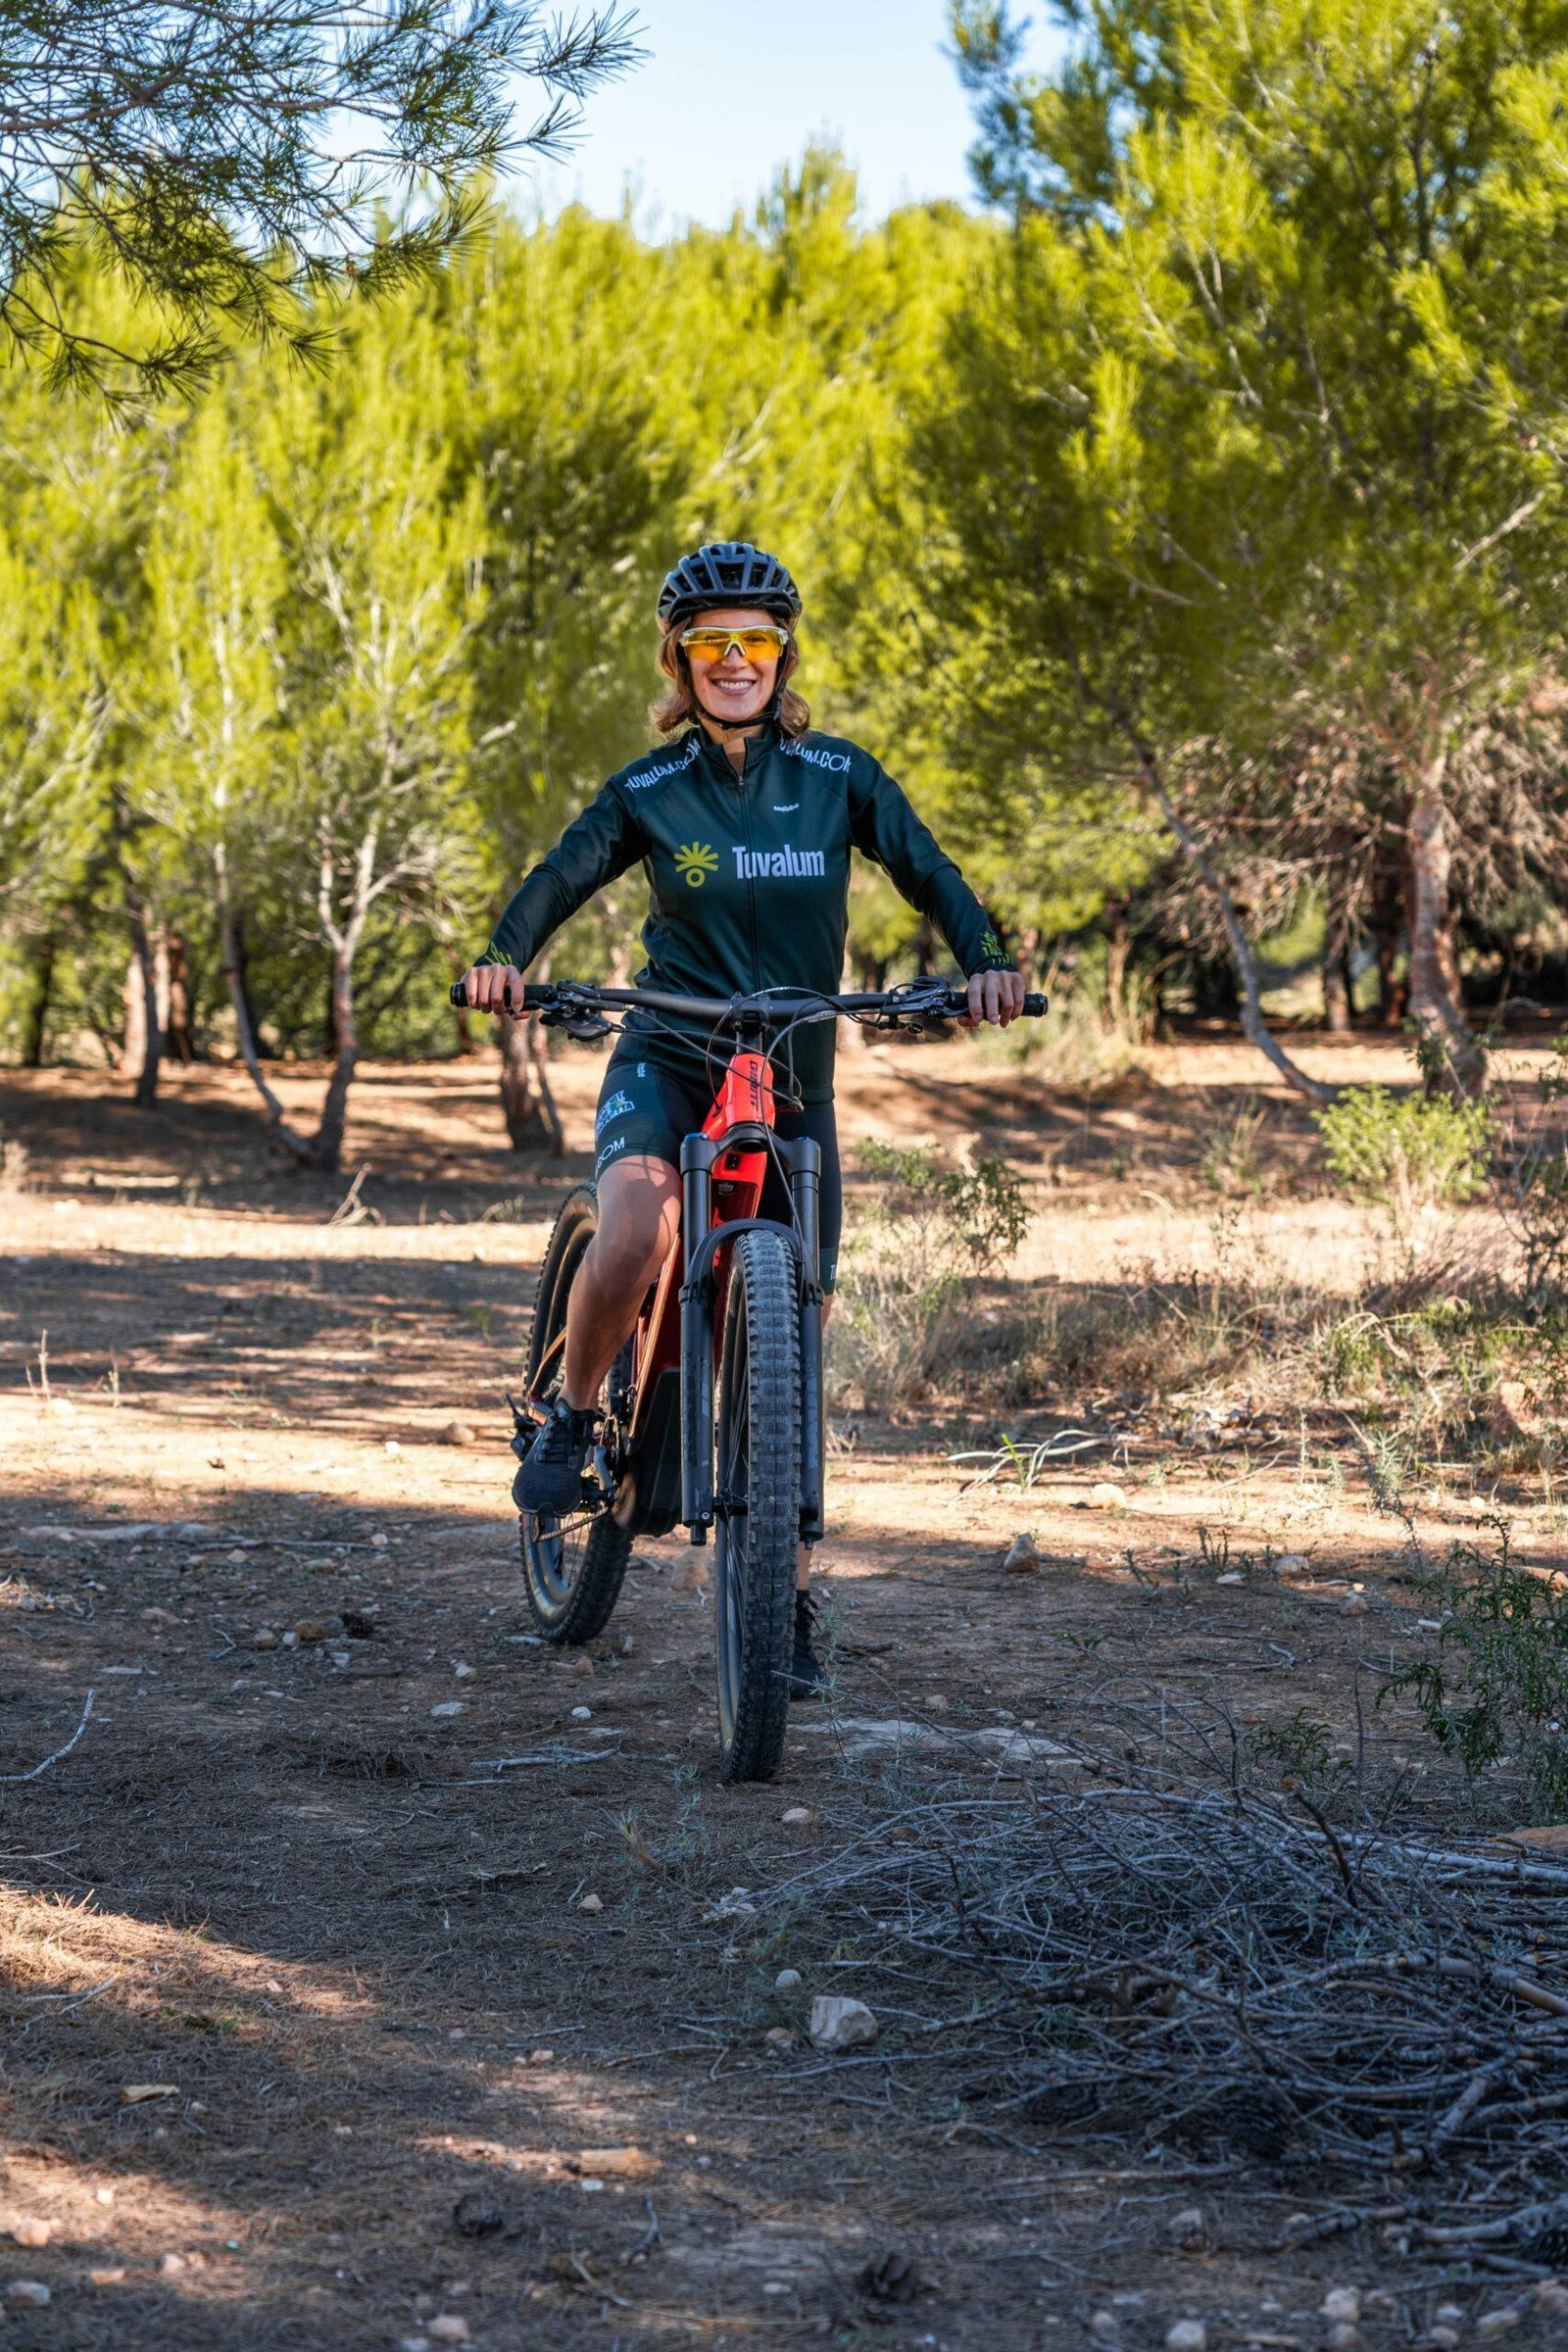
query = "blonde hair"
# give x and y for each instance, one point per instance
(678, 707)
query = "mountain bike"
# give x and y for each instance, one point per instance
(713, 1412)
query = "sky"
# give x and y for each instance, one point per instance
(728, 92)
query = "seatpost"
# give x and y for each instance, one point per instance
(806, 1188)
(696, 1156)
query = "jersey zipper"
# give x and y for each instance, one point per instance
(751, 875)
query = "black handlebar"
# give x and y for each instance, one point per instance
(774, 1010)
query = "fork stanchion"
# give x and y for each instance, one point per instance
(696, 1156)
(806, 1187)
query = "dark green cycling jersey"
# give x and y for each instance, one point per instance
(749, 879)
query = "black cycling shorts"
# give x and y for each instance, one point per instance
(646, 1112)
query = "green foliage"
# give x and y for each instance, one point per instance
(1301, 1753)
(1407, 1153)
(309, 671)
(908, 1275)
(1497, 1688)
(979, 1210)
(1244, 483)
(199, 156)
(1426, 1383)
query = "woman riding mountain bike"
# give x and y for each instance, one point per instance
(744, 824)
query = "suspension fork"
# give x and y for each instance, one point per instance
(806, 1188)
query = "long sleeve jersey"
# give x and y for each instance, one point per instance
(749, 879)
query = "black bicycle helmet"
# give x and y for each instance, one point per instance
(730, 571)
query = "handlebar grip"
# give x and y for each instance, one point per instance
(1035, 1005)
(530, 997)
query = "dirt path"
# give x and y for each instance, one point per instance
(405, 1917)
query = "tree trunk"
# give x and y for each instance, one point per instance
(326, 1151)
(35, 1016)
(178, 1020)
(1435, 1003)
(1117, 950)
(925, 947)
(525, 1127)
(343, 938)
(1388, 926)
(527, 1103)
(1336, 978)
(133, 1027)
(244, 1029)
(149, 1028)
(1255, 1026)
(1336, 996)
(241, 979)
(544, 1094)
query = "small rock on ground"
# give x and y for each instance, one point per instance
(841, 2024)
(474, 2215)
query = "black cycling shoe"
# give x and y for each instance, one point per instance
(549, 1481)
(807, 1678)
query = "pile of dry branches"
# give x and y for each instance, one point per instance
(1228, 1974)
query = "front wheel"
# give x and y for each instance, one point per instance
(757, 1504)
(572, 1568)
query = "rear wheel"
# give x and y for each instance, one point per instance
(573, 1567)
(758, 1505)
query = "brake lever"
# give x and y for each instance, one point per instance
(585, 1026)
(917, 1012)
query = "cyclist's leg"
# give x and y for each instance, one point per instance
(642, 1116)
(639, 1216)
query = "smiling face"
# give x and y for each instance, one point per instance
(734, 692)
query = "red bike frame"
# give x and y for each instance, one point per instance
(745, 1099)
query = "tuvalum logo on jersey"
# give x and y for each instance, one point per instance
(765, 865)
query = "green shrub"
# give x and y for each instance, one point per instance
(978, 1212)
(1409, 1156)
(1300, 1753)
(909, 1270)
(1510, 1698)
(1409, 1150)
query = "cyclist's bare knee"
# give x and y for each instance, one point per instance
(639, 1215)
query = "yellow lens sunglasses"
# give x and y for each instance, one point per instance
(755, 645)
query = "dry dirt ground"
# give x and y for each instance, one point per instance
(329, 1901)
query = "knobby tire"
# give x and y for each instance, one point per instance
(758, 1505)
(572, 1574)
